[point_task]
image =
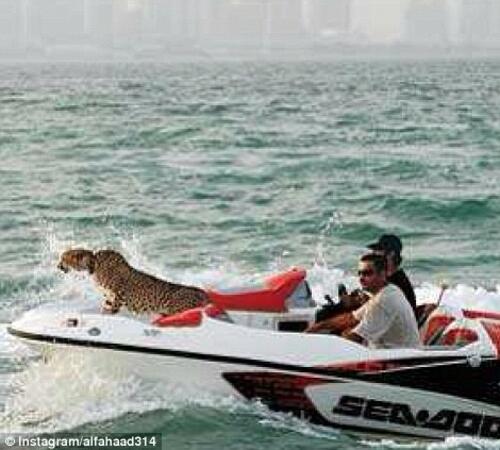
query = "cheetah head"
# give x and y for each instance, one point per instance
(77, 259)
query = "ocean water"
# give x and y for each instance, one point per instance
(218, 174)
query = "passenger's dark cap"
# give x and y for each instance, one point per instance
(387, 243)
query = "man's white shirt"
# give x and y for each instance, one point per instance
(387, 320)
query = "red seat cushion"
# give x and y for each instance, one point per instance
(189, 318)
(493, 330)
(270, 298)
(434, 326)
(458, 336)
(474, 314)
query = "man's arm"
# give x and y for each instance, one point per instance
(354, 300)
(352, 336)
(337, 325)
(377, 319)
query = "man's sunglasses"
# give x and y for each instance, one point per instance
(365, 273)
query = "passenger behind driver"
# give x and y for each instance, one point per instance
(385, 321)
(391, 246)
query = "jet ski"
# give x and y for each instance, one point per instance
(249, 343)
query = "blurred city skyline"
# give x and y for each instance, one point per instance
(166, 29)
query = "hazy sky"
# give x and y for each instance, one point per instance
(378, 20)
(44, 27)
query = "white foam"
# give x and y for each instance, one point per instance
(334, 222)
(460, 296)
(12, 348)
(461, 442)
(74, 388)
(288, 422)
(450, 443)
(390, 443)
(132, 250)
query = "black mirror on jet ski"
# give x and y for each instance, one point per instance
(329, 300)
(346, 302)
(331, 308)
(342, 290)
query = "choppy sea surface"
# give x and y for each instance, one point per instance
(219, 174)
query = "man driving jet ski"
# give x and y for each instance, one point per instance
(389, 246)
(386, 320)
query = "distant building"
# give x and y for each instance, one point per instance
(378, 21)
(12, 25)
(327, 16)
(175, 21)
(480, 23)
(56, 22)
(427, 23)
(128, 23)
(284, 20)
(99, 23)
(233, 23)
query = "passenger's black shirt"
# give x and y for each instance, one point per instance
(400, 280)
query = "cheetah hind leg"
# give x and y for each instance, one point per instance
(110, 304)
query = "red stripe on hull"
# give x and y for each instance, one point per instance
(279, 391)
(493, 330)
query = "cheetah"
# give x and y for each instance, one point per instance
(123, 285)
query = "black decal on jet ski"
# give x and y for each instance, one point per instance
(460, 422)
(443, 420)
(402, 415)
(482, 385)
(349, 406)
(490, 428)
(377, 410)
(467, 423)
(279, 391)
(422, 416)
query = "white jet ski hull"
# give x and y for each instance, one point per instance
(326, 379)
